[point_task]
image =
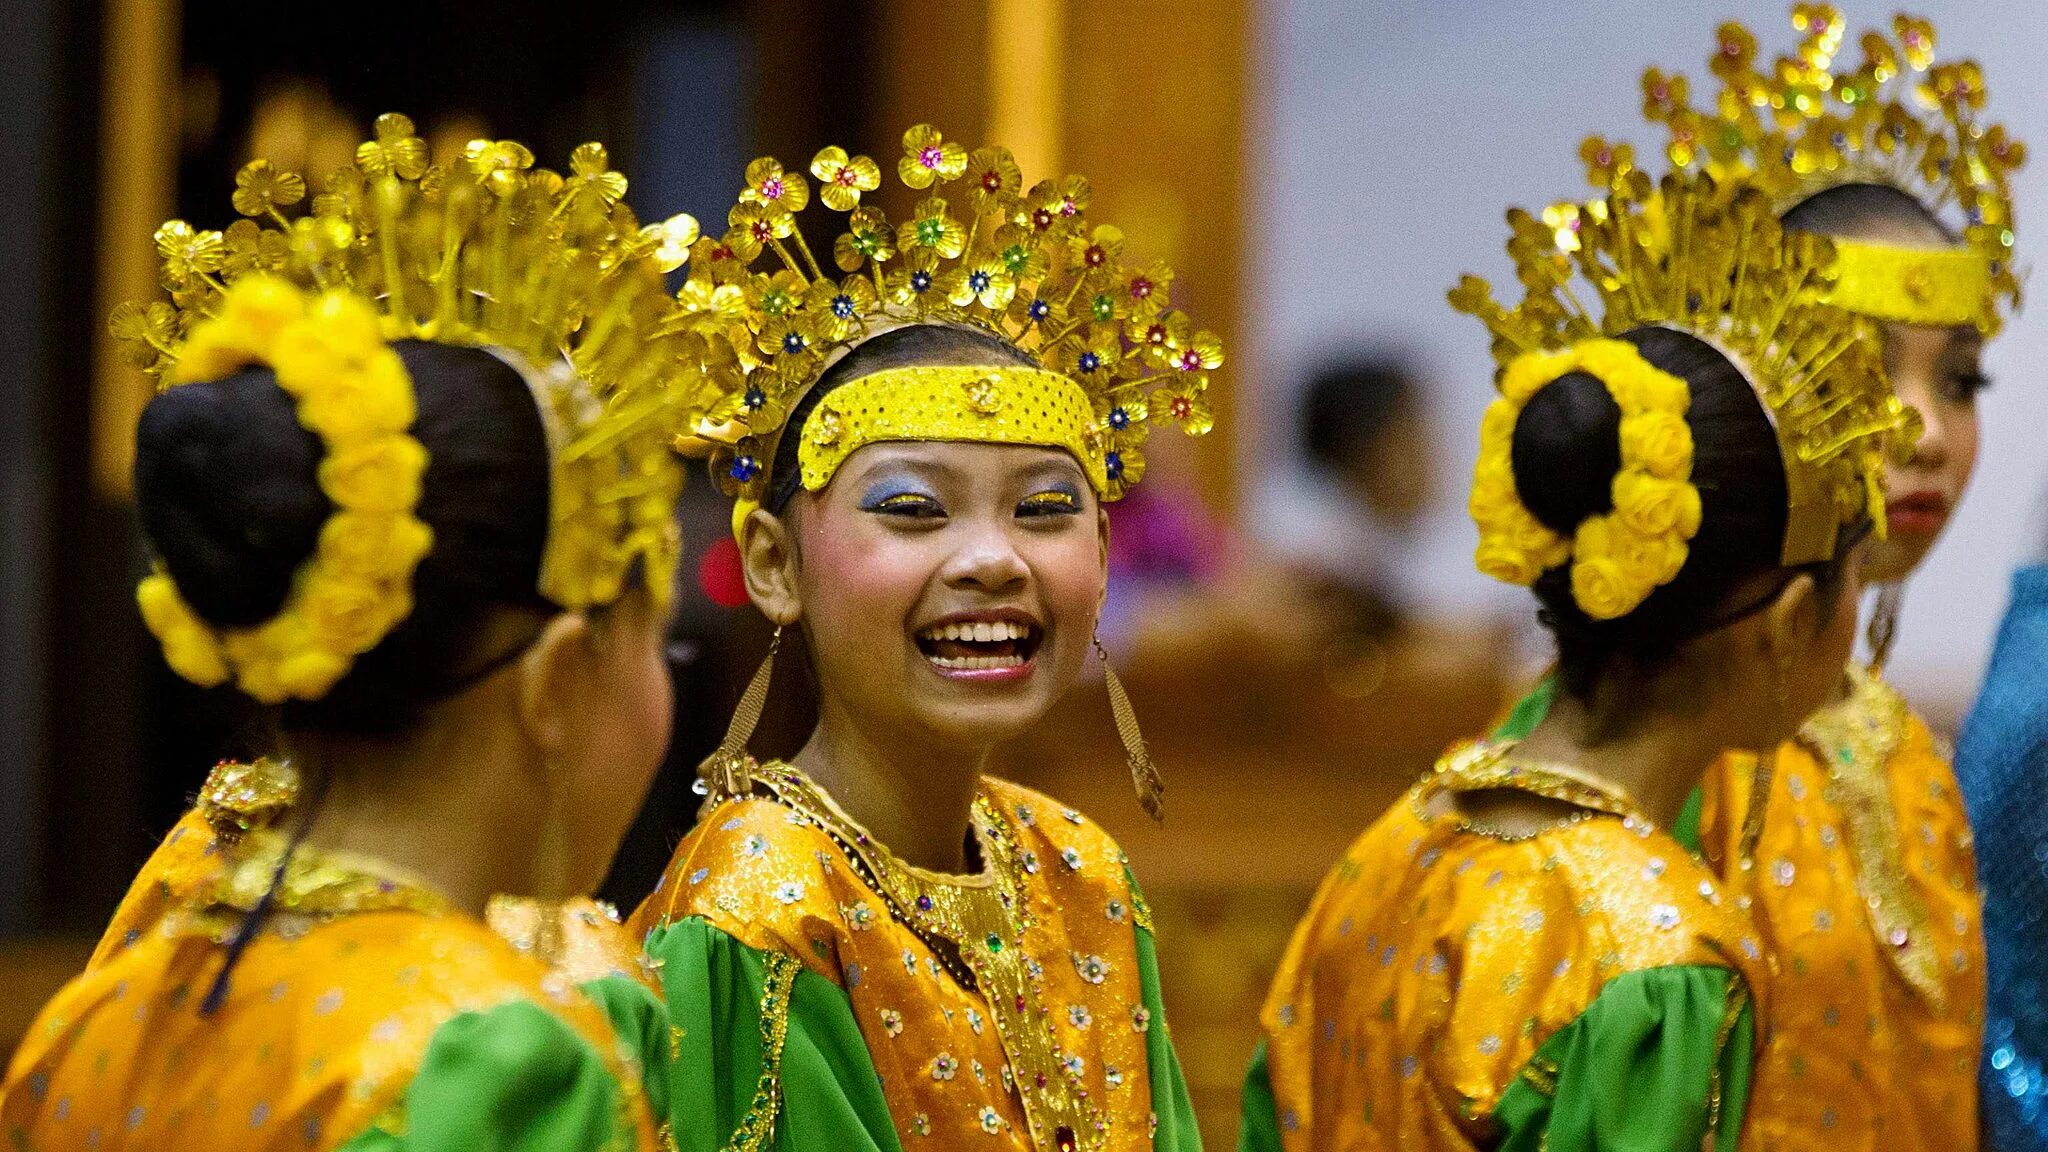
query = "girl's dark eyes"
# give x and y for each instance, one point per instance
(912, 505)
(1049, 503)
(1965, 386)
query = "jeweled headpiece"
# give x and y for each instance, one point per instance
(552, 273)
(1714, 263)
(1899, 119)
(1111, 352)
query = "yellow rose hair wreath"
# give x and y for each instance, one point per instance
(1712, 262)
(353, 392)
(551, 273)
(1622, 556)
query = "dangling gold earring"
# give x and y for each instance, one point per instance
(1883, 630)
(1763, 774)
(729, 771)
(1144, 773)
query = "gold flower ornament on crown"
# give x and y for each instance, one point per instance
(1898, 118)
(551, 273)
(1691, 256)
(1111, 354)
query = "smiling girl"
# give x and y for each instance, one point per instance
(875, 945)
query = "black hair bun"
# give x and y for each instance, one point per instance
(1566, 452)
(227, 484)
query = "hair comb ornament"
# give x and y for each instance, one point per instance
(1688, 255)
(551, 273)
(1898, 118)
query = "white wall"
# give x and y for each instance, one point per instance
(1394, 135)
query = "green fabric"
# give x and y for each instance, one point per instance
(641, 1023)
(831, 1094)
(1530, 710)
(1177, 1131)
(1258, 1122)
(1636, 1071)
(515, 1078)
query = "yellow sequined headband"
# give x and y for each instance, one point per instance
(986, 405)
(1939, 287)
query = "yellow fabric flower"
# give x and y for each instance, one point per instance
(1651, 506)
(379, 475)
(928, 156)
(1659, 443)
(189, 646)
(373, 546)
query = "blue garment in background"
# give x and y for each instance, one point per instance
(2002, 764)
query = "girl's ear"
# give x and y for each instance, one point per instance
(1791, 621)
(768, 559)
(548, 675)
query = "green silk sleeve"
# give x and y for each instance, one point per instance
(1170, 1103)
(1660, 1062)
(641, 1023)
(763, 1052)
(1258, 1123)
(511, 1079)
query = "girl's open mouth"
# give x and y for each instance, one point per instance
(979, 645)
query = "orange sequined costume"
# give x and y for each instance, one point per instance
(1864, 888)
(1585, 986)
(366, 1015)
(824, 994)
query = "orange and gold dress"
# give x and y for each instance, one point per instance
(1587, 986)
(1864, 887)
(366, 1015)
(823, 994)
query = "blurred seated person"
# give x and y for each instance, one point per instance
(1364, 436)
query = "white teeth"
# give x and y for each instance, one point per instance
(983, 633)
(976, 663)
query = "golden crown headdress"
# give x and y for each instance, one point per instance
(1113, 355)
(552, 273)
(1688, 255)
(1897, 118)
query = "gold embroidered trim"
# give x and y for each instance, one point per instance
(1541, 1074)
(1731, 1013)
(318, 885)
(756, 1129)
(1487, 766)
(976, 926)
(1854, 742)
(238, 797)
